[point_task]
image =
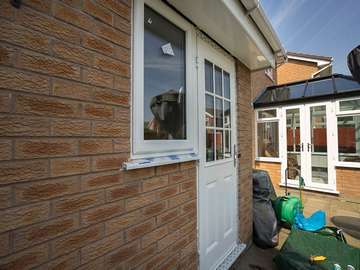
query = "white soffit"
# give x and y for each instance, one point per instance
(225, 21)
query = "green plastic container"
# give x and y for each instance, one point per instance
(286, 208)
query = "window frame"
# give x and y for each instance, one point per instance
(338, 113)
(264, 120)
(141, 148)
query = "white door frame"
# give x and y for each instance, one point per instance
(220, 58)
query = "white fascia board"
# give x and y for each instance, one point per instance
(312, 60)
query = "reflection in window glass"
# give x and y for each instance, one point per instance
(227, 143)
(268, 139)
(318, 88)
(267, 114)
(209, 114)
(349, 138)
(346, 85)
(350, 105)
(219, 112)
(164, 79)
(219, 144)
(209, 81)
(226, 85)
(210, 145)
(218, 81)
(227, 114)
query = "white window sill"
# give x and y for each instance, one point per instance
(158, 161)
(307, 188)
(344, 164)
(268, 159)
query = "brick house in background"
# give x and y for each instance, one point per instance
(302, 66)
(121, 128)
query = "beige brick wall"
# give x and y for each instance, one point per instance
(348, 183)
(274, 170)
(295, 70)
(64, 127)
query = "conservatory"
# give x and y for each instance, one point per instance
(310, 128)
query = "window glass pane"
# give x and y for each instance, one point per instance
(218, 81)
(318, 88)
(210, 145)
(282, 93)
(209, 114)
(267, 114)
(268, 139)
(227, 143)
(346, 85)
(349, 138)
(227, 114)
(164, 79)
(209, 81)
(219, 144)
(226, 85)
(219, 112)
(350, 105)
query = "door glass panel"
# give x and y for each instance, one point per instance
(318, 146)
(164, 79)
(268, 139)
(227, 143)
(227, 114)
(218, 81)
(210, 145)
(219, 112)
(209, 113)
(226, 85)
(209, 78)
(219, 144)
(293, 143)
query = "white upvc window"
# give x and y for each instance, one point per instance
(348, 133)
(267, 134)
(164, 82)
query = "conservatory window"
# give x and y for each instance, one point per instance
(267, 134)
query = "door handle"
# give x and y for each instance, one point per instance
(309, 147)
(302, 147)
(235, 155)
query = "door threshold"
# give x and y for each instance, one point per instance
(231, 257)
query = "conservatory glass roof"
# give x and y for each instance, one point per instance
(325, 88)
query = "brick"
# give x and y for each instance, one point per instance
(7, 10)
(100, 180)
(154, 236)
(168, 240)
(110, 129)
(102, 247)
(5, 197)
(70, 127)
(117, 7)
(95, 146)
(102, 212)
(98, 78)
(108, 162)
(26, 259)
(47, 189)
(181, 198)
(69, 166)
(7, 55)
(48, 65)
(40, 148)
(21, 81)
(155, 183)
(154, 209)
(122, 84)
(73, 16)
(122, 192)
(5, 149)
(113, 66)
(171, 263)
(117, 257)
(72, 53)
(140, 201)
(121, 145)
(168, 192)
(73, 3)
(181, 222)
(98, 11)
(41, 232)
(18, 171)
(167, 216)
(139, 174)
(122, 222)
(189, 185)
(189, 207)
(5, 244)
(111, 97)
(93, 265)
(21, 36)
(156, 261)
(24, 215)
(66, 262)
(43, 6)
(97, 111)
(178, 177)
(187, 165)
(70, 89)
(97, 44)
(74, 203)
(113, 35)
(166, 169)
(141, 256)
(5, 102)
(76, 240)
(122, 24)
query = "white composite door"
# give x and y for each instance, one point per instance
(217, 167)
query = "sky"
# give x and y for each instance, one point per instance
(321, 27)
